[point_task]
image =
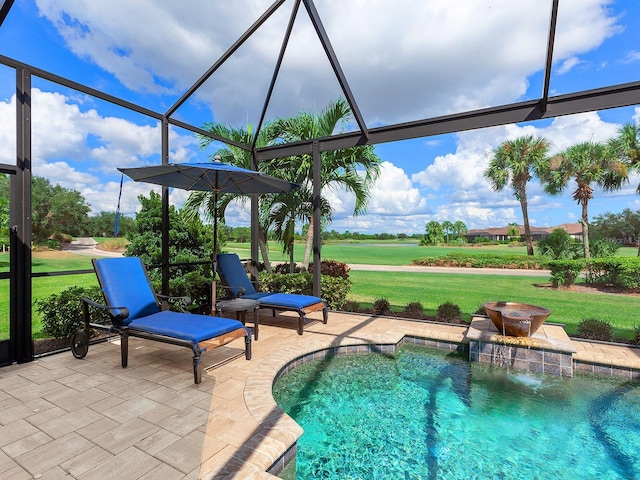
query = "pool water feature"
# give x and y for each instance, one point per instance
(424, 414)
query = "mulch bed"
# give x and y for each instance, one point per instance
(48, 345)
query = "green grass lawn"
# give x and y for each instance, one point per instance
(386, 253)
(469, 292)
(44, 287)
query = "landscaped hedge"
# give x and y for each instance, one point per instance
(565, 272)
(333, 290)
(617, 272)
(621, 272)
(460, 259)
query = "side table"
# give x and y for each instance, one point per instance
(240, 306)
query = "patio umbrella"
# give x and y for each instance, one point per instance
(216, 177)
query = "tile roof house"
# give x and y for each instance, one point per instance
(496, 234)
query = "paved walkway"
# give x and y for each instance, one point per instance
(62, 418)
(87, 247)
(455, 270)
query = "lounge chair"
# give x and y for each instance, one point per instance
(235, 279)
(134, 310)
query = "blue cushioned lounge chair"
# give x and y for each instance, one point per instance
(134, 310)
(237, 282)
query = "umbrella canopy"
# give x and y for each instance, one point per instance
(214, 177)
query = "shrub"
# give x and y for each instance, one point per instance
(332, 268)
(351, 306)
(333, 290)
(414, 310)
(614, 271)
(480, 310)
(481, 240)
(565, 272)
(62, 313)
(559, 246)
(381, 306)
(485, 260)
(603, 247)
(595, 329)
(285, 268)
(61, 237)
(195, 286)
(449, 312)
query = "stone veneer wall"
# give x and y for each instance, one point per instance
(521, 358)
(601, 370)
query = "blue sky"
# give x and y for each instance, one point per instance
(404, 61)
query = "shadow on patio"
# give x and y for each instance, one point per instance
(91, 419)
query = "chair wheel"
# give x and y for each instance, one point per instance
(80, 344)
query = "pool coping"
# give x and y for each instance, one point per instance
(276, 447)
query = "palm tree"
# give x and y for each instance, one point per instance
(516, 162)
(355, 168)
(626, 146)
(459, 228)
(586, 163)
(282, 212)
(447, 228)
(233, 155)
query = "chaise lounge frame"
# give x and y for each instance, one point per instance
(191, 336)
(236, 281)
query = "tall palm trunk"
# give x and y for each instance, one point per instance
(263, 249)
(308, 245)
(585, 230)
(522, 195)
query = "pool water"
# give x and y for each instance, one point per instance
(424, 414)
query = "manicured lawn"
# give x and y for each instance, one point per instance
(385, 253)
(469, 292)
(44, 287)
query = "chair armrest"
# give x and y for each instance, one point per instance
(115, 319)
(167, 300)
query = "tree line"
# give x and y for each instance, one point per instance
(59, 212)
(445, 232)
(584, 165)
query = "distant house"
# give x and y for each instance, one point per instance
(498, 234)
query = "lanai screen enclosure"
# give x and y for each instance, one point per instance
(287, 56)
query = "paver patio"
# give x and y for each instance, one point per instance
(62, 418)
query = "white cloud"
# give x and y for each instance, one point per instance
(81, 149)
(566, 131)
(568, 64)
(631, 57)
(164, 46)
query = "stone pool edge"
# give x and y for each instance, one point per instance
(278, 438)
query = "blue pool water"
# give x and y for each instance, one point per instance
(422, 414)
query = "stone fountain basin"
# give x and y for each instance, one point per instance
(516, 319)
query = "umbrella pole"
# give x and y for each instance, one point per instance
(215, 253)
(213, 287)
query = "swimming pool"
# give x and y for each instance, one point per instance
(424, 414)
